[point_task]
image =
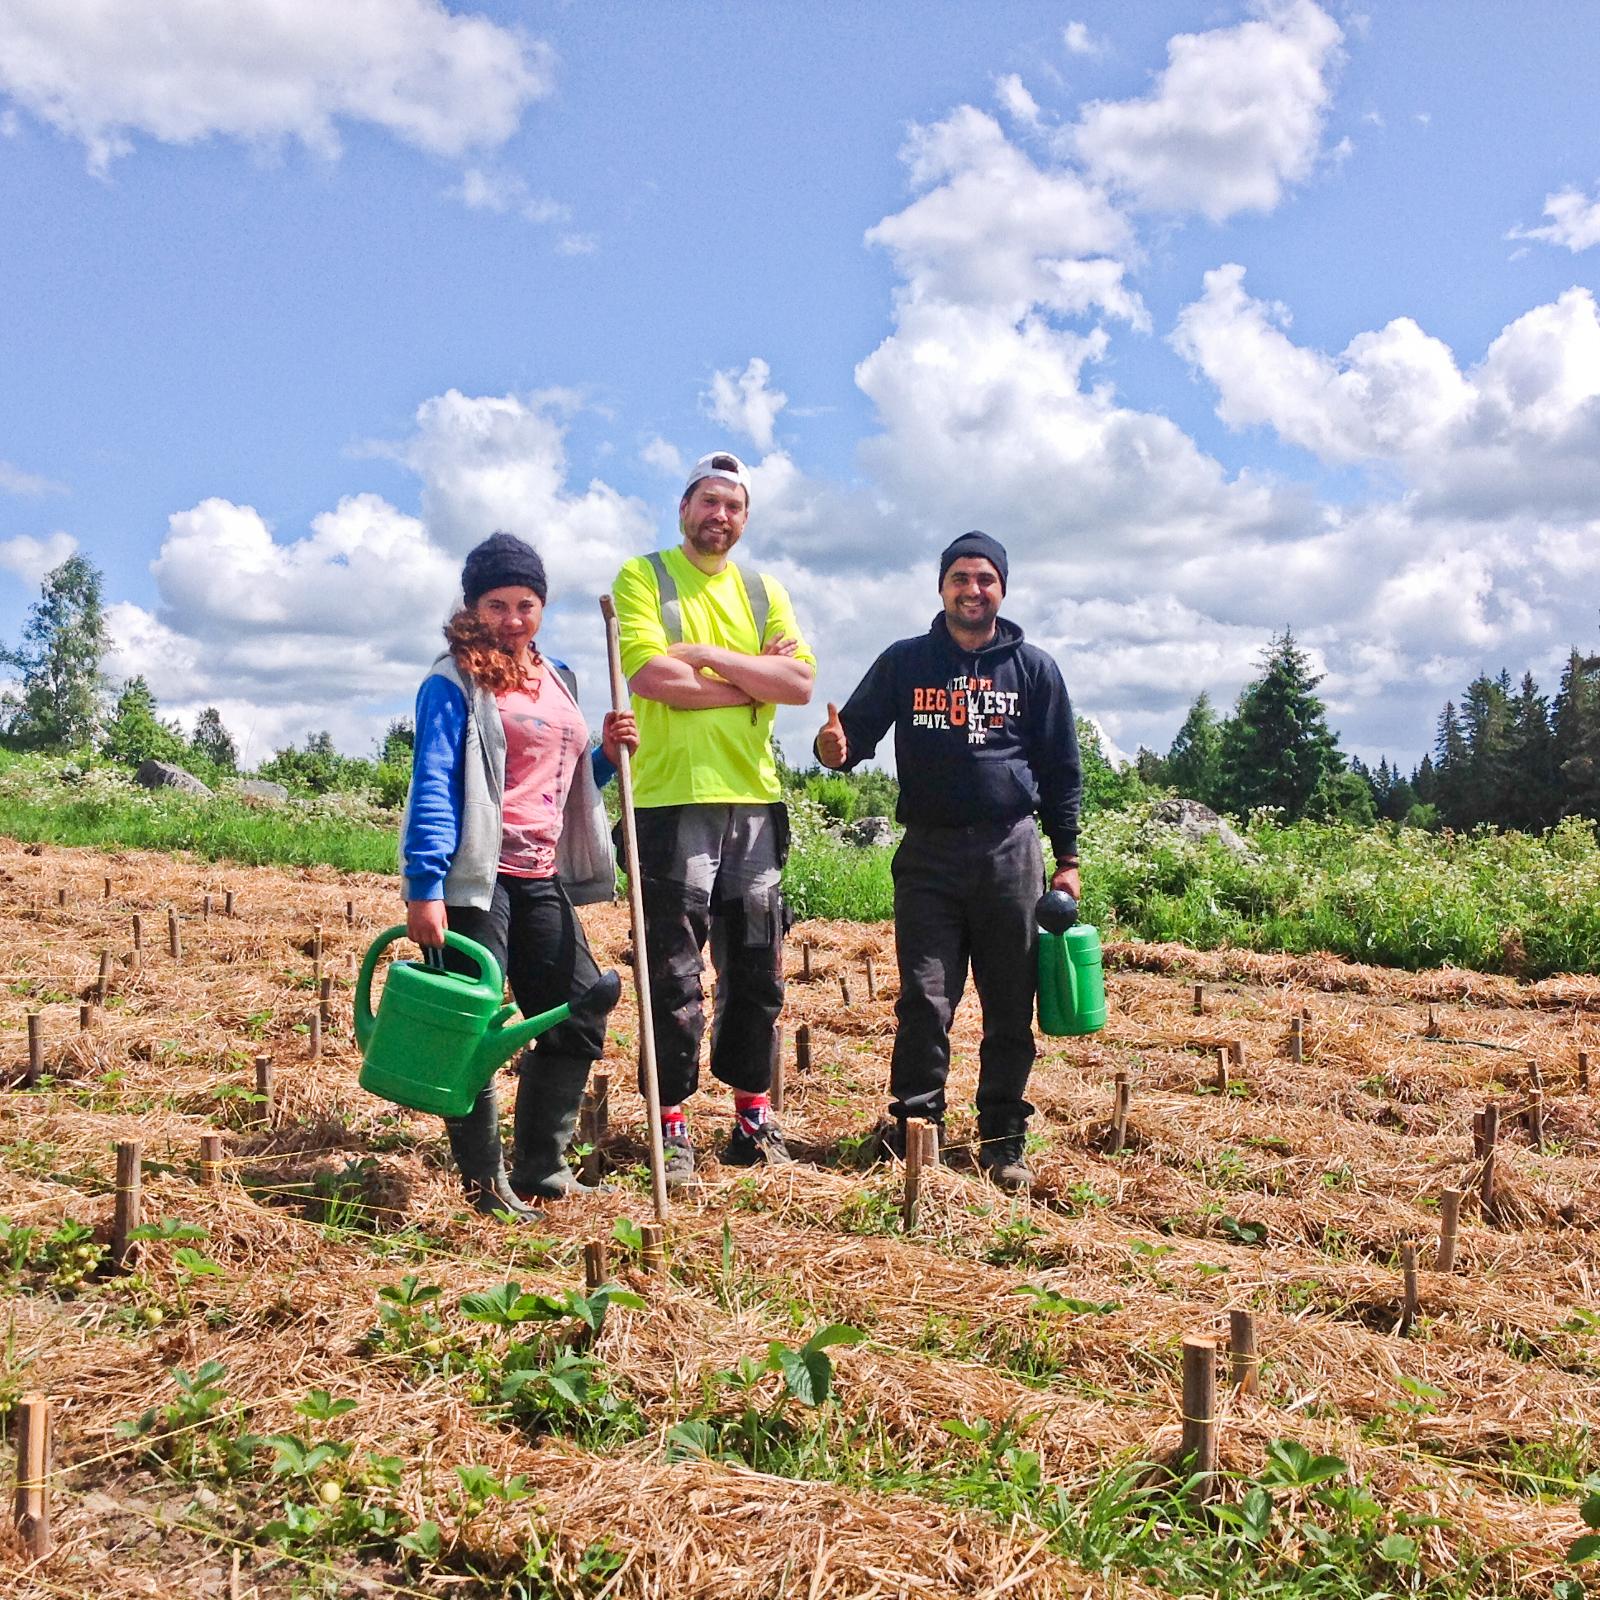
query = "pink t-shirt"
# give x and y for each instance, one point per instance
(546, 737)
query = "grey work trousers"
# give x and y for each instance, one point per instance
(966, 896)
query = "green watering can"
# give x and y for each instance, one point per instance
(1072, 988)
(439, 1036)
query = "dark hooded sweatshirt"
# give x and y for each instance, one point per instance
(979, 736)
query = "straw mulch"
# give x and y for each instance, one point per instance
(1288, 1192)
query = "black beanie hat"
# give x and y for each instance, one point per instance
(500, 562)
(976, 544)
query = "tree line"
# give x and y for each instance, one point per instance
(1507, 756)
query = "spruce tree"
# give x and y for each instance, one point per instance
(213, 742)
(58, 705)
(1576, 736)
(1192, 766)
(1277, 747)
(1532, 800)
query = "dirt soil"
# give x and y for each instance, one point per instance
(1289, 1193)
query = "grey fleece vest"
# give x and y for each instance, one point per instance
(585, 860)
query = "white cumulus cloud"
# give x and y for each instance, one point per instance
(746, 401)
(104, 72)
(1234, 118)
(1574, 221)
(31, 558)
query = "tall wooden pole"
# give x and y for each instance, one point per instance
(1199, 1443)
(31, 1509)
(125, 1218)
(641, 963)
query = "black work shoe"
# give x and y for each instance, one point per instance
(1005, 1164)
(677, 1159)
(750, 1149)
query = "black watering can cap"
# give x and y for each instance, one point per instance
(1056, 911)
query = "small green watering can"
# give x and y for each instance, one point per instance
(1072, 987)
(440, 1036)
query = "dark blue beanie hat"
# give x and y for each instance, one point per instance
(501, 562)
(976, 544)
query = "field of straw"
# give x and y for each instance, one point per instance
(1286, 1191)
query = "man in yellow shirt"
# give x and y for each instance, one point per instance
(710, 651)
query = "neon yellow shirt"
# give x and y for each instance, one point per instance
(719, 755)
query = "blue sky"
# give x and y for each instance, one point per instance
(1223, 317)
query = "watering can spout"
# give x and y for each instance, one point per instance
(500, 1042)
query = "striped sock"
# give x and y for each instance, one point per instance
(752, 1110)
(674, 1124)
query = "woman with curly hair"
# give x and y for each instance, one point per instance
(503, 833)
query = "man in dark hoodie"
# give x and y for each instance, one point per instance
(984, 741)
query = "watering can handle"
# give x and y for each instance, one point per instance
(432, 955)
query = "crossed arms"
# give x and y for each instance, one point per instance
(677, 678)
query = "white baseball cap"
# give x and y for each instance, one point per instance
(719, 464)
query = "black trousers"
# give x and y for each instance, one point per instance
(531, 929)
(714, 872)
(966, 896)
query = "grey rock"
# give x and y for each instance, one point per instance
(262, 792)
(1195, 821)
(868, 833)
(155, 774)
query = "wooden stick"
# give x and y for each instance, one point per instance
(1536, 1119)
(1491, 1133)
(35, 1069)
(1236, 1050)
(1477, 1134)
(802, 1048)
(210, 1160)
(174, 937)
(264, 1087)
(316, 952)
(641, 962)
(125, 1218)
(1199, 999)
(103, 982)
(844, 988)
(61, 897)
(349, 913)
(138, 935)
(205, 908)
(105, 889)
(227, 903)
(652, 1248)
(1221, 1079)
(1432, 1030)
(1583, 1070)
(314, 1045)
(1121, 1098)
(31, 1506)
(1242, 1348)
(596, 1268)
(913, 1181)
(930, 1146)
(1297, 1039)
(600, 1088)
(1449, 1227)
(1408, 1278)
(85, 1017)
(805, 960)
(589, 1168)
(325, 1002)
(775, 1092)
(872, 981)
(1198, 1447)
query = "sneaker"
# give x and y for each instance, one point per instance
(749, 1149)
(1002, 1159)
(677, 1159)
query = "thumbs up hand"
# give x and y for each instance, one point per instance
(833, 750)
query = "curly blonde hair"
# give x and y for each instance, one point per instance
(473, 647)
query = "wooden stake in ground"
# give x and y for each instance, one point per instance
(85, 1016)
(775, 1093)
(1242, 1349)
(872, 981)
(227, 903)
(1198, 1447)
(316, 953)
(1297, 1039)
(264, 1087)
(106, 890)
(641, 962)
(211, 1160)
(1199, 999)
(125, 1218)
(916, 1148)
(589, 1136)
(600, 1088)
(61, 897)
(595, 1266)
(1491, 1134)
(314, 1042)
(1449, 1227)
(1121, 1100)
(1408, 1277)
(1236, 1050)
(35, 1068)
(844, 988)
(325, 1002)
(1583, 1070)
(31, 1507)
(652, 1243)
(102, 984)
(805, 961)
(349, 913)
(205, 908)
(174, 938)
(1536, 1119)
(1432, 1030)
(1221, 1078)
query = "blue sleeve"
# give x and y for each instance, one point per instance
(433, 816)
(605, 769)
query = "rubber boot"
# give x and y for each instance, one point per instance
(475, 1143)
(549, 1095)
